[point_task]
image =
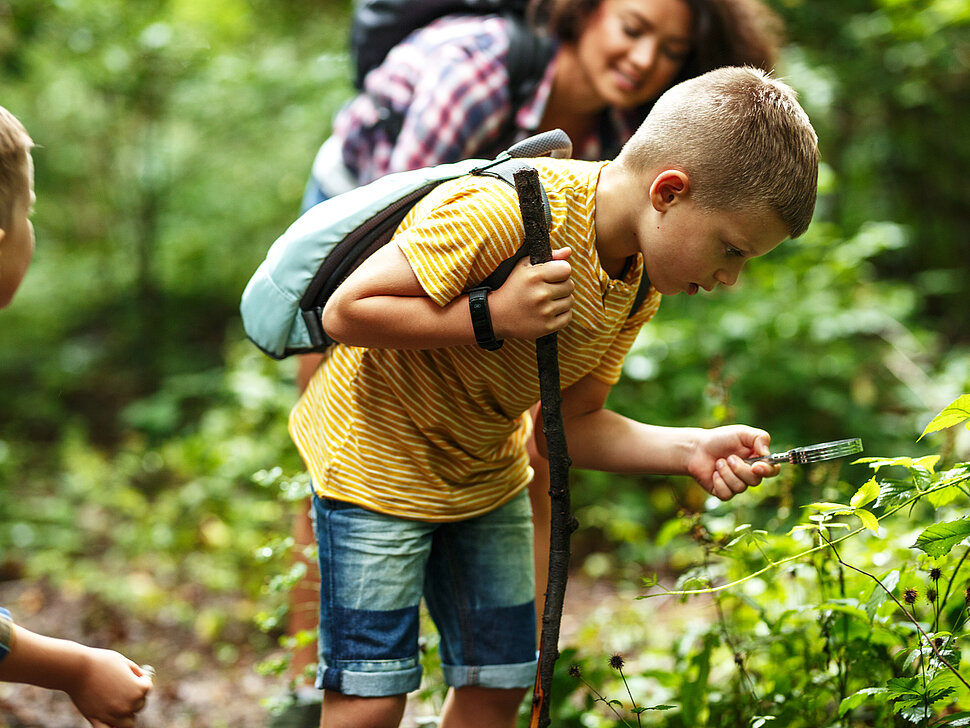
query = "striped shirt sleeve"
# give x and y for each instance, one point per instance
(459, 234)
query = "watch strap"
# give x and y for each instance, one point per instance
(482, 319)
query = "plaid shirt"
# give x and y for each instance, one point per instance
(449, 84)
(6, 630)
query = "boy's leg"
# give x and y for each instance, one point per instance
(352, 711)
(372, 569)
(541, 521)
(480, 594)
(473, 707)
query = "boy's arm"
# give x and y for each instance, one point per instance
(383, 305)
(106, 687)
(601, 439)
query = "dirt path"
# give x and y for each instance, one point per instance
(195, 689)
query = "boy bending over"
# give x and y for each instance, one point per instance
(415, 434)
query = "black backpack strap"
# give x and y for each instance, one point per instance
(505, 169)
(641, 296)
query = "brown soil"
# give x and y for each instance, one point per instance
(195, 689)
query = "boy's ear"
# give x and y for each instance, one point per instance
(668, 187)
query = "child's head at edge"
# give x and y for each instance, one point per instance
(16, 201)
(742, 138)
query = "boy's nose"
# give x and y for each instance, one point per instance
(728, 277)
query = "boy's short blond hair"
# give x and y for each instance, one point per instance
(742, 139)
(15, 165)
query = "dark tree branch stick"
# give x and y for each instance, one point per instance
(562, 523)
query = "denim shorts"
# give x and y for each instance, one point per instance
(476, 577)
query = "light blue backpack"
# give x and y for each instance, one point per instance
(283, 301)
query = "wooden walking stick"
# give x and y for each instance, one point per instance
(562, 522)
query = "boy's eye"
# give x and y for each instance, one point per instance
(735, 252)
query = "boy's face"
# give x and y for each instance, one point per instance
(687, 248)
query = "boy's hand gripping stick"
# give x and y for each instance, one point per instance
(562, 522)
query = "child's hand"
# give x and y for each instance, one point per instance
(110, 690)
(718, 462)
(535, 300)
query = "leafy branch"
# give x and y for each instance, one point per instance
(936, 534)
(905, 611)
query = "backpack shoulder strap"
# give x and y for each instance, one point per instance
(505, 170)
(641, 296)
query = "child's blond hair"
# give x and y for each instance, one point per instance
(15, 165)
(741, 137)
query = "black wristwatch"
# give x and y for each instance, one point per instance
(482, 320)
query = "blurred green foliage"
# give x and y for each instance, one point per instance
(174, 139)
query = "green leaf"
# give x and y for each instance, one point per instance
(942, 684)
(940, 538)
(861, 696)
(744, 533)
(894, 492)
(866, 494)
(878, 463)
(654, 707)
(838, 507)
(868, 520)
(928, 461)
(944, 496)
(953, 414)
(922, 477)
(879, 595)
(900, 687)
(913, 710)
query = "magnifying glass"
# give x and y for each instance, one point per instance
(813, 453)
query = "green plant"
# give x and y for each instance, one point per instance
(831, 623)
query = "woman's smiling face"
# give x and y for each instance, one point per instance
(631, 50)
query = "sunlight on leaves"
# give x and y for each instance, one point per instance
(866, 494)
(953, 414)
(868, 520)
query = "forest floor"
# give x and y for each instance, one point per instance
(196, 689)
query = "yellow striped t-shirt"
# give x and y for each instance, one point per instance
(439, 434)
